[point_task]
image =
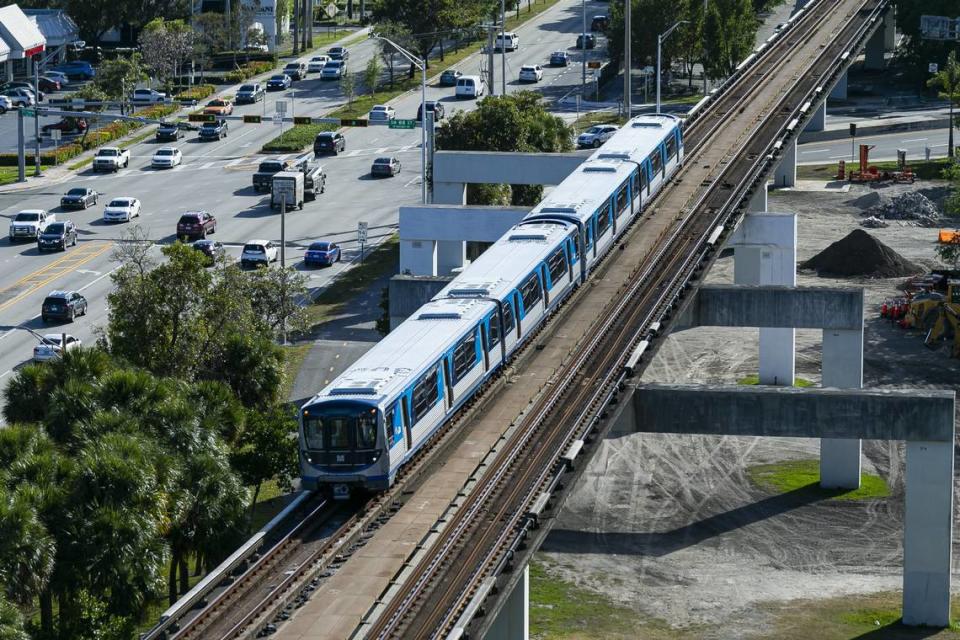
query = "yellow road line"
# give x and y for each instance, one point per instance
(56, 269)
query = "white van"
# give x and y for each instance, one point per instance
(470, 87)
(507, 42)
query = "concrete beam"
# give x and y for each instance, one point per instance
(780, 307)
(818, 119)
(785, 175)
(494, 167)
(839, 91)
(513, 620)
(749, 410)
(409, 293)
(458, 223)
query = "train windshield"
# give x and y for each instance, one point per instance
(340, 427)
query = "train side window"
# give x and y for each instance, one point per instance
(644, 184)
(622, 200)
(575, 247)
(635, 182)
(557, 264)
(656, 162)
(426, 394)
(494, 333)
(530, 292)
(671, 144)
(407, 423)
(508, 320)
(464, 356)
(392, 431)
(603, 220)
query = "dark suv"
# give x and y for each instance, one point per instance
(57, 235)
(169, 131)
(63, 305)
(329, 142)
(196, 224)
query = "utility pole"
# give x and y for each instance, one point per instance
(583, 47)
(21, 149)
(704, 36)
(310, 7)
(503, 49)
(490, 58)
(627, 32)
(36, 116)
(296, 28)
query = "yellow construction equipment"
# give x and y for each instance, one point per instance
(923, 310)
(946, 328)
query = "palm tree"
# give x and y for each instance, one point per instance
(11, 622)
(948, 80)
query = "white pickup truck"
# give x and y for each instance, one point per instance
(29, 223)
(111, 159)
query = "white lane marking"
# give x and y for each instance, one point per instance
(413, 182)
(915, 140)
(207, 165)
(381, 150)
(351, 154)
(234, 163)
(89, 271)
(98, 279)
(840, 157)
(816, 151)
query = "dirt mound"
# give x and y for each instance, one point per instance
(860, 254)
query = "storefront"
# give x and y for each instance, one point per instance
(23, 39)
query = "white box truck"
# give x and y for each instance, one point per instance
(287, 187)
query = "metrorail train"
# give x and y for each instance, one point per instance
(366, 424)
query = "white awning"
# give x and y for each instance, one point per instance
(4, 50)
(56, 26)
(21, 35)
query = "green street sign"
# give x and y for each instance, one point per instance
(251, 119)
(202, 117)
(398, 123)
(359, 122)
(28, 113)
(303, 120)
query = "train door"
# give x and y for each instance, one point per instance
(447, 383)
(407, 427)
(484, 345)
(546, 286)
(516, 307)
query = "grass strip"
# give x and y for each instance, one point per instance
(797, 382)
(923, 169)
(294, 355)
(296, 138)
(804, 476)
(8, 175)
(80, 165)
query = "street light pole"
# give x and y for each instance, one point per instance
(703, 63)
(503, 49)
(660, 39)
(583, 47)
(627, 79)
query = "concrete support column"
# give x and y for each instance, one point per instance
(418, 257)
(839, 91)
(890, 30)
(927, 533)
(513, 621)
(451, 254)
(843, 369)
(873, 58)
(450, 193)
(758, 201)
(786, 173)
(818, 119)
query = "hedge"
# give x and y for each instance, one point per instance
(197, 92)
(248, 70)
(297, 138)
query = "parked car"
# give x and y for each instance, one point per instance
(57, 235)
(435, 107)
(316, 63)
(215, 130)
(386, 166)
(596, 136)
(48, 84)
(559, 59)
(329, 142)
(29, 223)
(79, 198)
(77, 70)
(21, 97)
(6, 104)
(53, 345)
(599, 23)
(250, 93)
(259, 253)
(470, 87)
(121, 210)
(219, 107)
(333, 70)
(59, 76)
(381, 114)
(260, 48)
(63, 305)
(295, 70)
(148, 96)
(196, 224)
(586, 41)
(169, 131)
(322, 254)
(166, 158)
(7, 87)
(66, 125)
(279, 82)
(449, 77)
(338, 53)
(531, 73)
(211, 249)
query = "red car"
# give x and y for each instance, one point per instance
(196, 224)
(67, 125)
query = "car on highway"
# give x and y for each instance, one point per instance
(599, 23)
(7, 87)
(211, 249)
(385, 166)
(148, 96)
(586, 41)
(53, 344)
(559, 59)
(333, 70)
(596, 136)
(77, 70)
(322, 254)
(329, 142)
(196, 224)
(279, 82)
(111, 159)
(263, 177)
(506, 42)
(122, 209)
(257, 253)
(250, 93)
(215, 130)
(381, 114)
(316, 63)
(338, 53)
(169, 131)
(218, 107)
(166, 158)
(295, 70)
(470, 87)
(29, 223)
(261, 48)
(449, 77)
(63, 305)
(435, 107)
(531, 73)
(66, 125)
(79, 198)
(6, 104)
(21, 97)
(57, 235)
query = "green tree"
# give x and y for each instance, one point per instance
(915, 50)
(118, 77)
(650, 18)
(371, 75)
(388, 52)
(11, 622)
(26, 548)
(165, 46)
(267, 449)
(348, 85)
(730, 30)
(429, 20)
(947, 80)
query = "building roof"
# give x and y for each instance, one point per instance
(4, 50)
(20, 34)
(55, 25)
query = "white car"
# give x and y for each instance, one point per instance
(596, 136)
(6, 104)
(531, 73)
(52, 346)
(29, 223)
(382, 113)
(148, 95)
(333, 70)
(259, 252)
(166, 157)
(317, 63)
(121, 210)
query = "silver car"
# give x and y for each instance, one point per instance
(596, 136)
(333, 70)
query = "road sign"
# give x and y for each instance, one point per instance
(303, 120)
(358, 122)
(277, 119)
(330, 10)
(28, 113)
(399, 123)
(251, 119)
(933, 67)
(361, 232)
(56, 134)
(281, 106)
(594, 64)
(202, 117)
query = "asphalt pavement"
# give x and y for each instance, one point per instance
(884, 147)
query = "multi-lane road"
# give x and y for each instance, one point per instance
(216, 176)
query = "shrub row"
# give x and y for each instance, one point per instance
(248, 70)
(197, 92)
(296, 138)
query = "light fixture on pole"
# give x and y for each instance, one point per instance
(422, 65)
(660, 39)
